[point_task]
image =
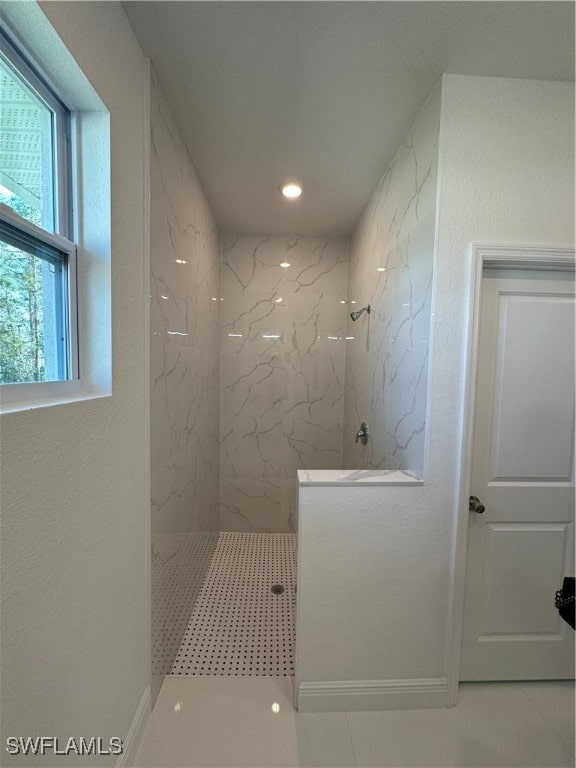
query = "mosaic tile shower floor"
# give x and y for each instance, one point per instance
(179, 563)
(239, 627)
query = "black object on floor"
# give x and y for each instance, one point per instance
(564, 600)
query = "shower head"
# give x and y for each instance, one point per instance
(356, 315)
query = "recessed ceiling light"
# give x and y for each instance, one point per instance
(291, 191)
(180, 261)
(342, 302)
(285, 264)
(278, 300)
(380, 269)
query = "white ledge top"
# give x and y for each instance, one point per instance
(357, 477)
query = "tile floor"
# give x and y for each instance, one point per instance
(228, 701)
(239, 627)
(179, 564)
(236, 722)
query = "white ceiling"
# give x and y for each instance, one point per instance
(323, 92)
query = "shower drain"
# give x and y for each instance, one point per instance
(277, 589)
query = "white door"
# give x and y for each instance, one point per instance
(521, 546)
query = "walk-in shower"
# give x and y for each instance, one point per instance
(257, 372)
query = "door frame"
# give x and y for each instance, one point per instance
(495, 256)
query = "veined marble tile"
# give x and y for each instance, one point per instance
(168, 513)
(252, 448)
(253, 322)
(186, 488)
(289, 487)
(314, 386)
(161, 447)
(171, 320)
(425, 140)
(283, 347)
(251, 386)
(200, 481)
(293, 323)
(252, 262)
(184, 399)
(316, 264)
(253, 504)
(187, 317)
(408, 403)
(268, 347)
(311, 444)
(316, 322)
(185, 333)
(391, 261)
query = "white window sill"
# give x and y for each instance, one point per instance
(25, 397)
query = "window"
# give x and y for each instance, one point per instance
(37, 258)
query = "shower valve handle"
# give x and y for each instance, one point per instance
(362, 434)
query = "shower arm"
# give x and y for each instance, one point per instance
(355, 315)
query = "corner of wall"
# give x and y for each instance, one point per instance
(391, 268)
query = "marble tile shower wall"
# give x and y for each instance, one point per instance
(391, 260)
(282, 372)
(184, 362)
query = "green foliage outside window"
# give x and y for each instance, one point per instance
(21, 307)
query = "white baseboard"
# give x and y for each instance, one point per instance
(134, 735)
(365, 695)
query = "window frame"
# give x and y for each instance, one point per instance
(69, 293)
(62, 178)
(58, 240)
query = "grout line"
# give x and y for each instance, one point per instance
(547, 720)
(349, 727)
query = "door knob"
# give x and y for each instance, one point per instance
(474, 505)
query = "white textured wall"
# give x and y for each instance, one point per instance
(282, 372)
(75, 626)
(506, 175)
(184, 382)
(387, 353)
(369, 607)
